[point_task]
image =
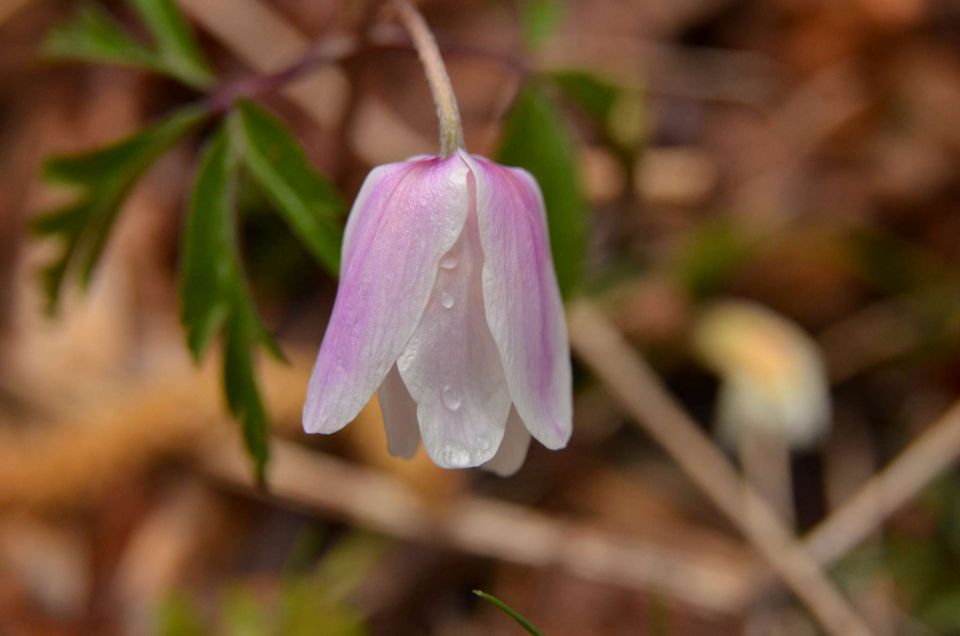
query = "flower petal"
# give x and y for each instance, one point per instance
(451, 365)
(522, 299)
(399, 413)
(406, 216)
(513, 448)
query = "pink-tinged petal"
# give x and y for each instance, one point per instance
(451, 365)
(522, 300)
(399, 413)
(513, 448)
(405, 218)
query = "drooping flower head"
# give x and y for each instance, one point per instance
(449, 308)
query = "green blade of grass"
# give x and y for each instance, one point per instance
(509, 611)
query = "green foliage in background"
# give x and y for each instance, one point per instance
(595, 96)
(539, 20)
(710, 257)
(924, 285)
(536, 137)
(922, 560)
(312, 603)
(618, 112)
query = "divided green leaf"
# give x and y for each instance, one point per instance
(214, 293)
(94, 35)
(176, 45)
(536, 137)
(103, 178)
(308, 203)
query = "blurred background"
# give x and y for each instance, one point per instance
(759, 198)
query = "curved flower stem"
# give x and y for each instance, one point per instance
(451, 131)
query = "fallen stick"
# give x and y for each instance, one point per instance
(921, 462)
(318, 483)
(607, 353)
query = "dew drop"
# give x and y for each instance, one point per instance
(451, 397)
(446, 300)
(448, 262)
(403, 363)
(456, 456)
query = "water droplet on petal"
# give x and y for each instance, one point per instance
(451, 397)
(409, 354)
(456, 455)
(446, 300)
(448, 262)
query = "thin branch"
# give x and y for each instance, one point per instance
(176, 409)
(9, 7)
(475, 525)
(883, 494)
(607, 353)
(332, 49)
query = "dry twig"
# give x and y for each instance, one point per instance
(915, 467)
(174, 410)
(598, 343)
(486, 527)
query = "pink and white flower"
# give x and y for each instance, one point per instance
(448, 306)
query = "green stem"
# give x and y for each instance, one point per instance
(509, 611)
(451, 131)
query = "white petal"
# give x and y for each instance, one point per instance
(405, 217)
(399, 413)
(522, 299)
(513, 448)
(451, 365)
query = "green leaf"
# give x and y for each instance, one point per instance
(176, 46)
(214, 294)
(509, 611)
(619, 111)
(208, 263)
(943, 612)
(124, 158)
(241, 334)
(711, 256)
(893, 264)
(540, 19)
(310, 205)
(177, 616)
(242, 613)
(596, 96)
(103, 178)
(93, 35)
(536, 137)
